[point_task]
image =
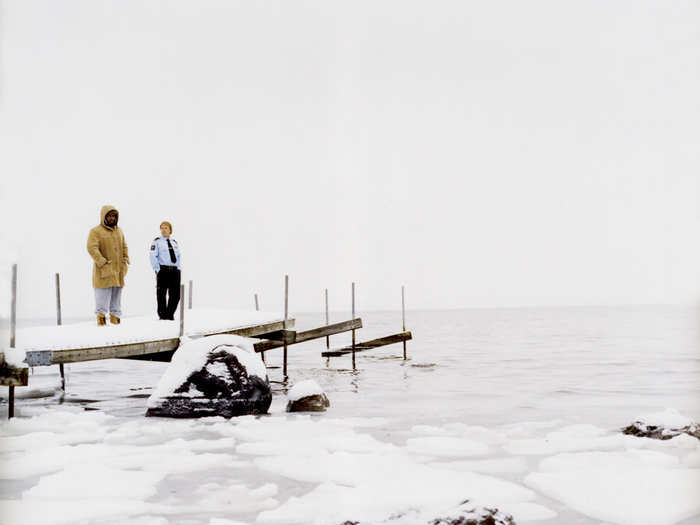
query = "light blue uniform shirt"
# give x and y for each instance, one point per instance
(160, 254)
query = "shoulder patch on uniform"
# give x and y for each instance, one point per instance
(156, 238)
(153, 247)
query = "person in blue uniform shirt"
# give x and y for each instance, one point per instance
(166, 261)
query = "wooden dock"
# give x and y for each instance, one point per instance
(148, 350)
(63, 344)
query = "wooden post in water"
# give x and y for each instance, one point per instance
(257, 309)
(286, 315)
(13, 328)
(403, 319)
(353, 331)
(189, 297)
(59, 321)
(182, 310)
(328, 338)
(58, 299)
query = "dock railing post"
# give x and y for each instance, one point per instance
(182, 310)
(13, 328)
(189, 297)
(328, 337)
(257, 309)
(59, 321)
(353, 331)
(403, 319)
(286, 315)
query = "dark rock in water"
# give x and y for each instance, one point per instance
(307, 396)
(642, 429)
(313, 403)
(228, 384)
(464, 514)
(477, 516)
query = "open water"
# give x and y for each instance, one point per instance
(481, 366)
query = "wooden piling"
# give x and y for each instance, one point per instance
(189, 297)
(182, 310)
(286, 315)
(13, 330)
(58, 299)
(328, 338)
(257, 309)
(403, 319)
(353, 332)
(13, 307)
(59, 321)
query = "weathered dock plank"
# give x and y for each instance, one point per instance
(368, 345)
(316, 333)
(253, 331)
(111, 352)
(160, 349)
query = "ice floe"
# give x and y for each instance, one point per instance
(84, 467)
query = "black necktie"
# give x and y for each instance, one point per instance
(172, 252)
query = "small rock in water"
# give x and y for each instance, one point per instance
(212, 376)
(463, 514)
(663, 425)
(307, 396)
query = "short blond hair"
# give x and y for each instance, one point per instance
(167, 224)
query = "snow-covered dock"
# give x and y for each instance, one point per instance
(140, 336)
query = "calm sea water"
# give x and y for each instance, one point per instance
(602, 366)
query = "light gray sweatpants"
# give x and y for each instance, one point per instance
(109, 300)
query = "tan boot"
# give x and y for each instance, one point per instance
(113, 319)
(101, 320)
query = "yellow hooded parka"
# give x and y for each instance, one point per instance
(107, 247)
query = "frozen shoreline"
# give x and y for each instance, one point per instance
(519, 412)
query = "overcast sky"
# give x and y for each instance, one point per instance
(481, 153)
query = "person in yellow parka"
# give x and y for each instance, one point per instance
(107, 247)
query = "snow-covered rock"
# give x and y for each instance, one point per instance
(307, 396)
(219, 375)
(464, 514)
(663, 425)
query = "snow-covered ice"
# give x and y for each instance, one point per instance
(633, 486)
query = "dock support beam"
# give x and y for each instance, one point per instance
(59, 321)
(182, 310)
(286, 316)
(403, 320)
(353, 332)
(13, 328)
(257, 309)
(328, 338)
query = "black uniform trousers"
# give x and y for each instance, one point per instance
(168, 284)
